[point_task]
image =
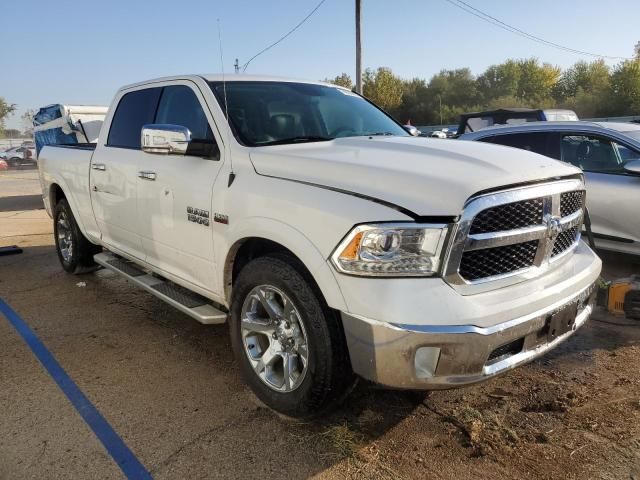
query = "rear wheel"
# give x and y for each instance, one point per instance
(75, 252)
(288, 343)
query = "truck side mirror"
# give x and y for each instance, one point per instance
(165, 139)
(633, 167)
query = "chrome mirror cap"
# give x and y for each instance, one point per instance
(165, 139)
(633, 167)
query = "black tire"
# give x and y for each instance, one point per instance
(80, 259)
(328, 372)
(14, 162)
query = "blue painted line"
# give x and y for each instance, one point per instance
(126, 460)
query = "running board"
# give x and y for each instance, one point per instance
(192, 304)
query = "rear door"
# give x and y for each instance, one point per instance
(537, 142)
(175, 208)
(114, 172)
(613, 194)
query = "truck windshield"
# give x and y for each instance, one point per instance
(276, 113)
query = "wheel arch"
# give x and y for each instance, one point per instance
(57, 192)
(248, 247)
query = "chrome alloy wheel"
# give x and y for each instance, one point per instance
(274, 338)
(65, 238)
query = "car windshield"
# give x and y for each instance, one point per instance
(276, 113)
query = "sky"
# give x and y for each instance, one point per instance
(82, 52)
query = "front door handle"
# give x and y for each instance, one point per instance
(98, 166)
(147, 175)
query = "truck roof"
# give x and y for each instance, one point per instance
(231, 77)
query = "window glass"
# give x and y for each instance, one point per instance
(594, 154)
(266, 113)
(533, 142)
(179, 105)
(134, 110)
(627, 154)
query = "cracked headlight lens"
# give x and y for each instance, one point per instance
(391, 250)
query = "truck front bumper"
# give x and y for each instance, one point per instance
(440, 354)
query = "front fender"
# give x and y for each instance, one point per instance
(293, 240)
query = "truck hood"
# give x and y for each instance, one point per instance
(428, 177)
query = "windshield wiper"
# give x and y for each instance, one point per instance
(299, 139)
(378, 134)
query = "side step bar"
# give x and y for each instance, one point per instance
(178, 297)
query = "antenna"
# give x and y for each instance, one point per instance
(232, 175)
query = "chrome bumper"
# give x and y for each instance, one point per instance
(457, 355)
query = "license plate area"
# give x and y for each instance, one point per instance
(561, 321)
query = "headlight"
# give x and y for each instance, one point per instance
(391, 250)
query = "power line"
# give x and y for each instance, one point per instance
(509, 28)
(244, 67)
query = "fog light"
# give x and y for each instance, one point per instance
(426, 361)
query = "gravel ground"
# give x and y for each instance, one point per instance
(170, 388)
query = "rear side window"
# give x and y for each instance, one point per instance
(180, 106)
(134, 110)
(591, 153)
(533, 142)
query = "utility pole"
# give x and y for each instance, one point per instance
(237, 66)
(440, 98)
(358, 50)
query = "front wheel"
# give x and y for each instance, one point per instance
(75, 252)
(288, 343)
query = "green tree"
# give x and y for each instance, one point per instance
(383, 88)
(590, 77)
(499, 81)
(342, 80)
(537, 82)
(625, 87)
(417, 105)
(456, 87)
(6, 109)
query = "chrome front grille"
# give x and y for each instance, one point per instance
(505, 237)
(477, 264)
(571, 202)
(508, 216)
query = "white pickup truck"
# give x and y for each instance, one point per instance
(333, 242)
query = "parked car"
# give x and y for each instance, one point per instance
(411, 130)
(472, 122)
(18, 156)
(333, 241)
(438, 134)
(609, 155)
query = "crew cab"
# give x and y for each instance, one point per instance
(335, 244)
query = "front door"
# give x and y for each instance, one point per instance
(613, 194)
(174, 193)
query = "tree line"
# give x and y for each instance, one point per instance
(591, 89)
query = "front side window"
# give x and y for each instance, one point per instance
(626, 154)
(590, 153)
(134, 110)
(270, 113)
(179, 105)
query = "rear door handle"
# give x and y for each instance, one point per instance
(98, 166)
(146, 175)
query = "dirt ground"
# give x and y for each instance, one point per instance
(170, 388)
